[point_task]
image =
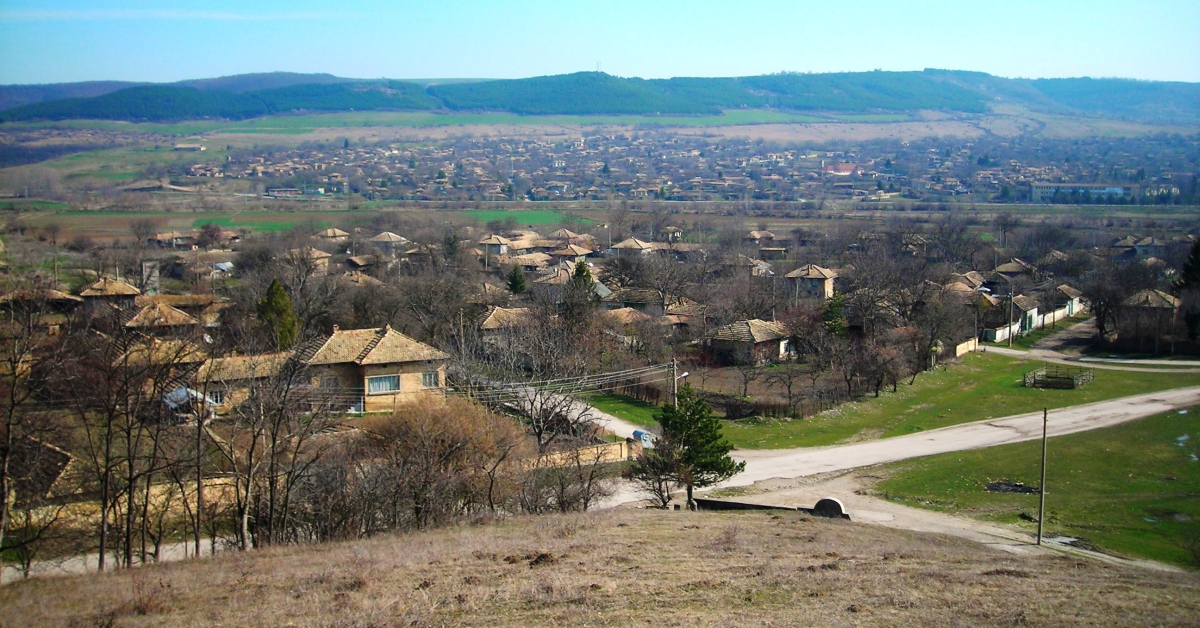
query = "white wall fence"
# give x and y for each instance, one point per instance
(1000, 334)
(964, 348)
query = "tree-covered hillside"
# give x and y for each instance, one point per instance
(157, 103)
(596, 93)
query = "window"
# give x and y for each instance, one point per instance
(431, 379)
(329, 382)
(383, 384)
(217, 397)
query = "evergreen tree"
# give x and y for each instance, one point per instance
(516, 280)
(578, 297)
(692, 434)
(1189, 275)
(1187, 287)
(275, 311)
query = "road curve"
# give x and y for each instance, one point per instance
(794, 463)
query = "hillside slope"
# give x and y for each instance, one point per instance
(596, 93)
(621, 568)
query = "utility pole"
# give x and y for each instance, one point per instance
(1042, 486)
(1010, 313)
(674, 381)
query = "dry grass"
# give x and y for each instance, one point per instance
(620, 568)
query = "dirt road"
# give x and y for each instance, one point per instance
(793, 463)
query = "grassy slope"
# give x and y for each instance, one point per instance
(620, 568)
(1133, 489)
(985, 386)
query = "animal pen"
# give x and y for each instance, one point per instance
(1059, 376)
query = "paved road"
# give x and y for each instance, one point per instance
(794, 463)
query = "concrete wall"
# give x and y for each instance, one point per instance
(608, 452)
(1038, 321)
(964, 348)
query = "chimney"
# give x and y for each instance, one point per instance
(335, 328)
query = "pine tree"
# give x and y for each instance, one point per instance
(578, 297)
(516, 280)
(275, 311)
(693, 434)
(1189, 275)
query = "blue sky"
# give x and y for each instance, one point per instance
(58, 41)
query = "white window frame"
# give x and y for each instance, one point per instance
(389, 391)
(217, 396)
(436, 376)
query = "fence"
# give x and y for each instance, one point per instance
(964, 348)
(1000, 334)
(1056, 376)
(595, 454)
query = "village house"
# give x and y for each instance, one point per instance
(1150, 316)
(364, 370)
(632, 247)
(748, 342)
(812, 282)
(332, 234)
(388, 242)
(108, 291)
(318, 259)
(384, 365)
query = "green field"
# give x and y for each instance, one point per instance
(633, 410)
(523, 217)
(1133, 489)
(985, 386)
(258, 222)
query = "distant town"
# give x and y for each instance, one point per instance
(668, 166)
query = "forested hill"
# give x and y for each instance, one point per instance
(596, 93)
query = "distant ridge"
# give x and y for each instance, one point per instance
(596, 93)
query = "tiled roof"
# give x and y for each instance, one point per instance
(971, 278)
(505, 317)
(1153, 299)
(389, 237)
(634, 244)
(625, 315)
(310, 253)
(812, 271)
(572, 250)
(108, 287)
(494, 240)
(1024, 303)
(371, 346)
(176, 300)
(333, 232)
(46, 294)
(160, 315)
(753, 331)
(1015, 266)
(633, 295)
(242, 367)
(1069, 291)
(531, 259)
